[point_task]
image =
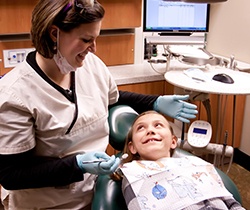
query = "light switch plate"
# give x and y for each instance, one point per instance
(12, 57)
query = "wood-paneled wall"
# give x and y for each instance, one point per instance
(114, 48)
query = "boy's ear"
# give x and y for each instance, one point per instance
(53, 31)
(174, 142)
(131, 148)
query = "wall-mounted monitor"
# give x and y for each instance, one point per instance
(175, 17)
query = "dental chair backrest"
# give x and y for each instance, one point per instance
(120, 120)
(108, 193)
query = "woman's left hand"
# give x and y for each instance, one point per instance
(174, 106)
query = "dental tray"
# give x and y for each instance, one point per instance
(189, 51)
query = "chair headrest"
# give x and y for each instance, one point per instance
(120, 121)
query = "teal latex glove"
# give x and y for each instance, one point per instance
(174, 106)
(108, 166)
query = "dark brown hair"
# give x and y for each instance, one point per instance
(65, 14)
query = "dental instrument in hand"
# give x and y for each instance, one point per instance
(93, 161)
(123, 157)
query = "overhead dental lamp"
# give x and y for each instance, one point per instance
(203, 1)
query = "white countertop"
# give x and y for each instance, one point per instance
(146, 72)
(137, 73)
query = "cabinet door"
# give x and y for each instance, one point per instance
(116, 49)
(152, 88)
(222, 111)
(15, 16)
(112, 49)
(121, 13)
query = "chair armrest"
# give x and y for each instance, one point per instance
(108, 194)
(229, 184)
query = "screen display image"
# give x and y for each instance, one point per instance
(200, 131)
(175, 16)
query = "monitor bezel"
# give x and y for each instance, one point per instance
(174, 31)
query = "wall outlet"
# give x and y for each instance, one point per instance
(12, 57)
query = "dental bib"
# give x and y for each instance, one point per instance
(170, 183)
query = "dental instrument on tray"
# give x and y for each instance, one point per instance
(196, 74)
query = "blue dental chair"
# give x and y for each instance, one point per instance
(108, 193)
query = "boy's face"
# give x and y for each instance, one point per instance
(152, 137)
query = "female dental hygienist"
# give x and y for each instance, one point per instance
(54, 109)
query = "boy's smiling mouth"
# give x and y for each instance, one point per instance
(151, 140)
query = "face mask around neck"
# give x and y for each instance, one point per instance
(61, 61)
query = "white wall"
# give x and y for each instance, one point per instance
(230, 29)
(230, 34)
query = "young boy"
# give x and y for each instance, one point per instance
(154, 179)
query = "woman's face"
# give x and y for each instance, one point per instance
(76, 44)
(152, 137)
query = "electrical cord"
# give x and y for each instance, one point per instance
(207, 105)
(224, 150)
(222, 120)
(230, 163)
(223, 115)
(151, 64)
(156, 61)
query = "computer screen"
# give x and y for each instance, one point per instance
(175, 17)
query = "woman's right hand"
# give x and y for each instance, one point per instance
(97, 163)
